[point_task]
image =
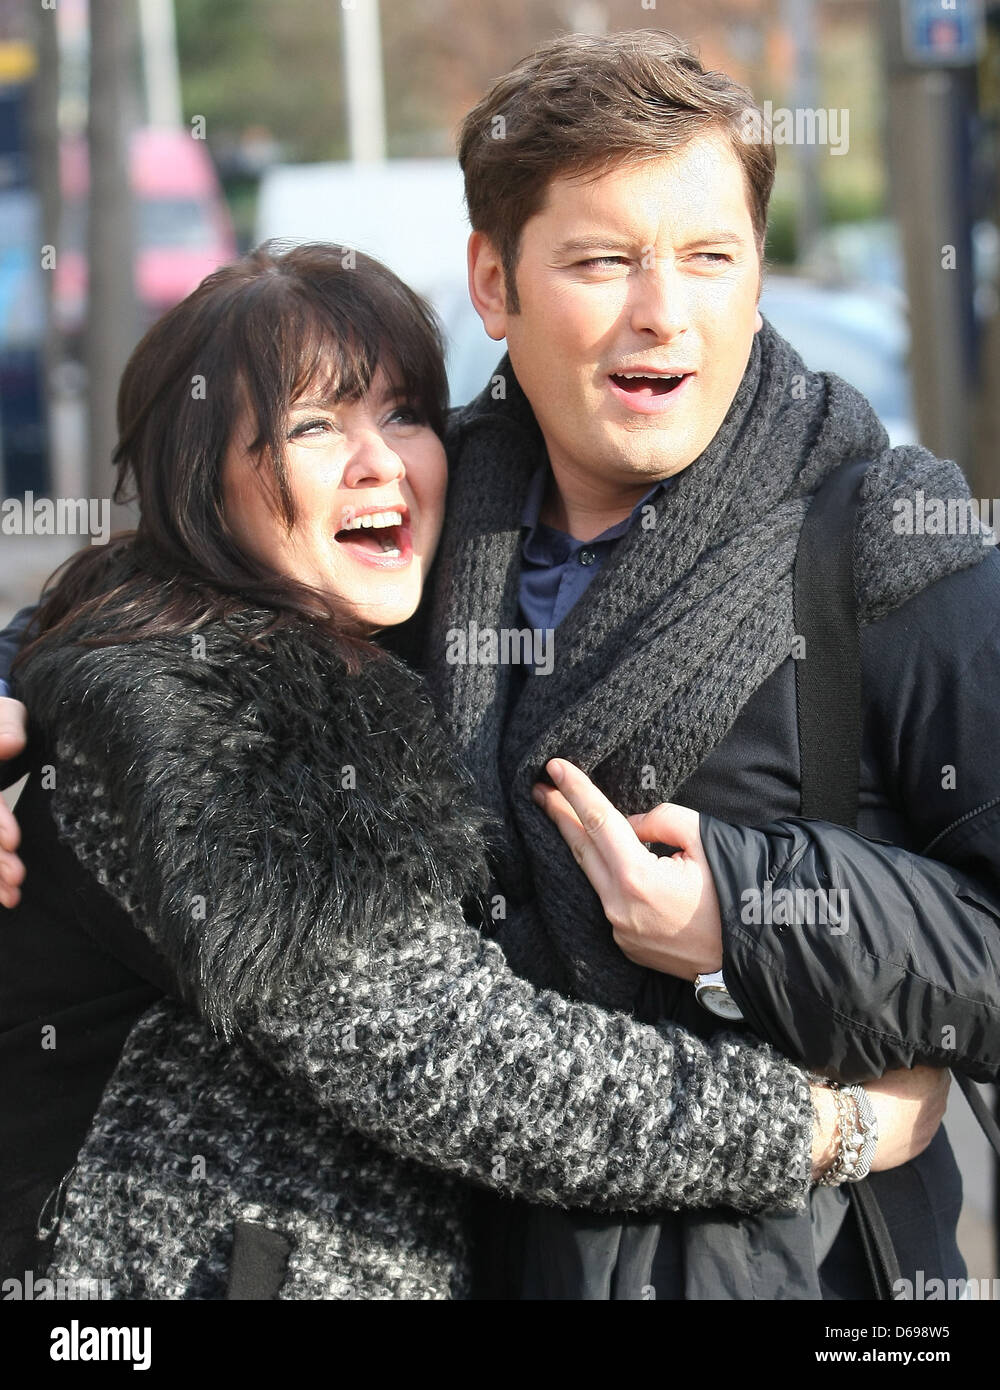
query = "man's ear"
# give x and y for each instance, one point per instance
(759, 322)
(487, 288)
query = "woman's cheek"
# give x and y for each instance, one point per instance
(433, 501)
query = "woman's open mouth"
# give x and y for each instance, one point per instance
(382, 539)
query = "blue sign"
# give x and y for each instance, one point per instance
(942, 33)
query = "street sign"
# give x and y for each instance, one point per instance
(942, 33)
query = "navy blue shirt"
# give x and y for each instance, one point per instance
(556, 569)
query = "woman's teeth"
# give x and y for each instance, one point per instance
(374, 519)
(378, 528)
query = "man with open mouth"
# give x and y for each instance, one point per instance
(635, 477)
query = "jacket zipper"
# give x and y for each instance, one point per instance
(969, 815)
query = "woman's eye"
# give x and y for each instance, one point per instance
(407, 415)
(311, 427)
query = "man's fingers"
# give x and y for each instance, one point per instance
(581, 845)
(668, 824)
(603, 822)
(599, 836)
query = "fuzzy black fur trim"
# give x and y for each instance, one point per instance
(269, 803)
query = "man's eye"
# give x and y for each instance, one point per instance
(713, 255)
(602, 262)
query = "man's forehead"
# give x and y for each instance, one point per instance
(706, 164)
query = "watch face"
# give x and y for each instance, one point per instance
(719, 1001)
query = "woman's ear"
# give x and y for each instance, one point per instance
(487, 287)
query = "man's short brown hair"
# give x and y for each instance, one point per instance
(580, 105)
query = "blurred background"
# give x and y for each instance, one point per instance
(144, 142)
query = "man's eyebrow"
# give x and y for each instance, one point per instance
(593, 243)
(715, 236)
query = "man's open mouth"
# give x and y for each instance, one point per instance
(638, 385)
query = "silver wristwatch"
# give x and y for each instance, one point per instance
(711, 993)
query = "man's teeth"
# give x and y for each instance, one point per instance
(645, 376)
(374, 519)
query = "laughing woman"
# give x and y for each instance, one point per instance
(252, 1044)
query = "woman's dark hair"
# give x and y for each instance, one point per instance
(252, 337)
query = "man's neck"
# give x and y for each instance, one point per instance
(579, 509)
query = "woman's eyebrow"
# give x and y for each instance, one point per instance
(393, 389)
(312, 405)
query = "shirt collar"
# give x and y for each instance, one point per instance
(535, 495)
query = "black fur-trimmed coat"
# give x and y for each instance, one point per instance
(339, 1052)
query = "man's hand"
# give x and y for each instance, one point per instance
(13, 737)
(909, 1105)
(664, 912)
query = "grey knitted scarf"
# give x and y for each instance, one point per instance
(685, 621)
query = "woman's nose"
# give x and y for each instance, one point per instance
(372, 461)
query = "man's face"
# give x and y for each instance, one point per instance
(653, 269)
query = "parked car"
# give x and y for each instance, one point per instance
(871, 254)
(24, 464)
(183, 229)
(23, 436)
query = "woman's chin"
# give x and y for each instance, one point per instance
(390, 607)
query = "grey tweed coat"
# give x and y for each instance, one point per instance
(342, 1053)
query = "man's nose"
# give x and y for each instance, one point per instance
(659, 301)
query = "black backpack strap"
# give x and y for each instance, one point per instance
(876, 1240)
(828, 698)
(828, 672)
(980, 1109)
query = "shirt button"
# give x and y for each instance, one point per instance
(587, 557)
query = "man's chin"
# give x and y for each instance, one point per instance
(645, 452)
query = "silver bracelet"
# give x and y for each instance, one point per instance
(857, 1133)
(843, 1164)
